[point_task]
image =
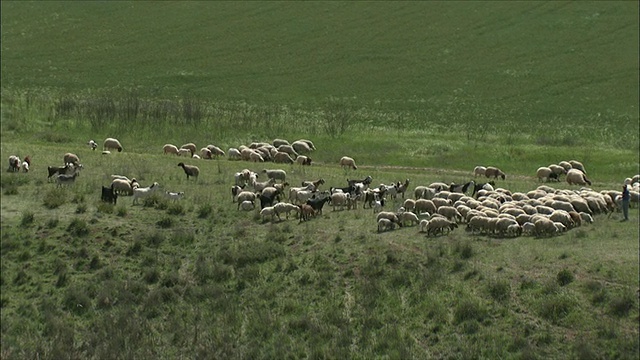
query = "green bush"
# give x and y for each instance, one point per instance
(621, 304)
(78, 227)
(204, 211)
(499, 290)
(55, 198)
(27, 219)
(565, 277)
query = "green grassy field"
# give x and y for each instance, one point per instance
(418, 90)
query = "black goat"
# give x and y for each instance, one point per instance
(108, 195)
(480, 186)
(462, 188)
(57, 170)
(317, 203)
(267, 200)
(366, 181)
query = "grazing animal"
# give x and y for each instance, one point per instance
(303, 160)
(64, 179)
(385, 224)
(306, 212)
(190, 170)
(577, 177)
(318, 203)
(175, 196)
(170, 149)
(92, 144)
(111, 144)
(479, 171)
(109, 195)
(139, 193)
(494, 172)
(71, 158)
(347, 162)
(14, 163)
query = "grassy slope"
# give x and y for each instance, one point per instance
(333, 287)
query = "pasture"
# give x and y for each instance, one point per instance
(418, 91)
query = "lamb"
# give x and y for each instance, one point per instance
(385, 224)
(70, 158)
(64, 179)
(577, 177)
(377, 205)
(190, 170)
(389, 216)
(277, 174)
(303, 160)
(245, 196)
(268, 211)
(479, 171)
(409, 204)
(423, 225)
(247, 205)
(347, 162)
(140, 193)
(175, 196)
(111, 144)
(25, 166)
(92, 144)
(557, 169)
(185, 152)
(408, 216)
(494, 172)
(108, 195)
(14, 163)
(577, 165)
(282, 158)
(306, 212)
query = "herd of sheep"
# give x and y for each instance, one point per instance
(437, 208)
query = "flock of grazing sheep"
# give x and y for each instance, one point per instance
(435, 209)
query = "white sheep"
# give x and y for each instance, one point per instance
(279, 142)
(122, 187)
(439, 225)
(586, 217)
(289, 150)
(255, 157)
(111, 144)
(293, 191)
(385, 224)
(387, 215)
(215, 151)
(191, 146)
(494, 172)
(234, 154)
(577, 165)
(247, 205)
(309, 142)
(170, 149)
(479, 171)
(14, 163)
(545, 174)
(140, 193)
(276, 174)
(281, 157)
(424, 192)
(347, 162)
(245, 196)
(301, 147)
(339, 200)
(71, 158)
(408, 216)
(206, 153)
(185, 152)
(424, 223)
(268, 211)
(303, 160)
(285, 208)
(577, 177)
(425, 206)
(92, 144)
(451, 213)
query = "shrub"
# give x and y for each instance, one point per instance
(556, 307)
(469, 309)
(81, 208)
(104, 207)
(175, 209)
(165, 223)
(565, 277)
(204, 211)
(76, 300)
(52, 223)
(499, 290)
(621, 304)
(78, 227)
(151, 275)
(27, 219)
(121, 211)
(54, 198)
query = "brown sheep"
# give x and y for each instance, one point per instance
(494, 172)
